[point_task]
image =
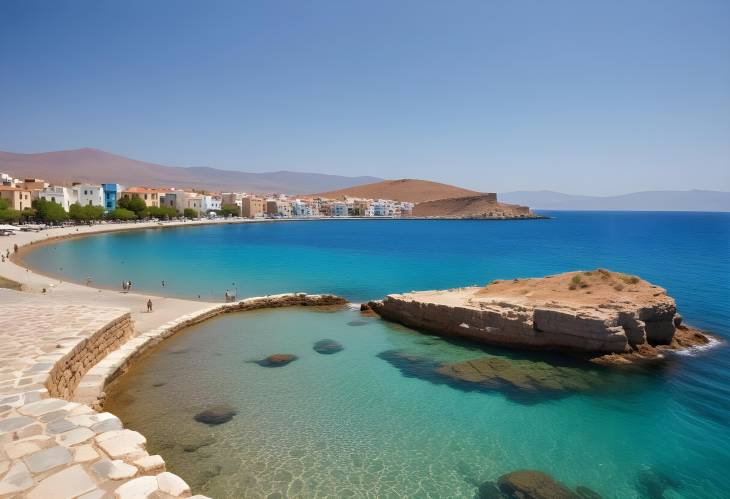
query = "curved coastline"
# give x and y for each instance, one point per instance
(97, 454)
(91, 293)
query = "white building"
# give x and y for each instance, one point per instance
(8, 181)
(61, 195)
(89, 195)
(301, 208)
(212, 202)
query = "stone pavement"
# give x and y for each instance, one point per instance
(50, 447)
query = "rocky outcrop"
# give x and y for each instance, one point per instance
(472, 207)
(531, 484)
(597, 311)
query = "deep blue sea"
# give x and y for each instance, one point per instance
(359, 422)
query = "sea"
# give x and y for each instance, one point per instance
(378, 419)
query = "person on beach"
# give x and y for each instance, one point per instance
(15, 248)
(149, 305)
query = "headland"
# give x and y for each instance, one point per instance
(616, 318)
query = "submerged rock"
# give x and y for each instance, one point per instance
(193, 443)
(277, 360)
(652, 484)
(327, 347)
(586, 493)
(531, 484)
(357, 323)
(523, 381)
(216, 415)
(524, 375)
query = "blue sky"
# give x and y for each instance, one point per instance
(591, 97)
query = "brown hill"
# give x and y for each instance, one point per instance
(479, 206)
(411, 190)
(95, 166)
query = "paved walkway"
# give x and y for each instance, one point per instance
(62, 345)
(51, 447)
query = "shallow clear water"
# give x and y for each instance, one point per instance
(361, 422)
(352, 424)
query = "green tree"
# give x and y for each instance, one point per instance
(28, 214)
(4, 204)
(75, 212)
(49, 212)
(229, 210)
(85, 213)
(10, 216)
(121, 214)
(162, 212)
(135, 204)
(190, 213)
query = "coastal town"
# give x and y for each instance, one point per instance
(31, 199)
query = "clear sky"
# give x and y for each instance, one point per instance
(583, 96)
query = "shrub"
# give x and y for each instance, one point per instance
(618, 287)
(630, 279)
(574, 282)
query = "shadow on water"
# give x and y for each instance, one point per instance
(526, 378)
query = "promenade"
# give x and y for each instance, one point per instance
(51, 445)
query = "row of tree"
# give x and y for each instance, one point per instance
(48, 212)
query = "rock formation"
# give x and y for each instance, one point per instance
(599, 312)
(531, 484)
(277, 360)
(216, 415)
(327, 347)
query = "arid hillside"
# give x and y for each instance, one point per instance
(411, 190)
(479, 206)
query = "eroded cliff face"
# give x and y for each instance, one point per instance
(597, 311)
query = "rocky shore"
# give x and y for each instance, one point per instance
(617, 318)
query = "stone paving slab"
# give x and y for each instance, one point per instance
(52, 448)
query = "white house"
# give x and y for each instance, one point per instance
(61, 195)
(212, 202)
(301, 208)
(89, 195)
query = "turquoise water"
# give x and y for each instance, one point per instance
(364, 422)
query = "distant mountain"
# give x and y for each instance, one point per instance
(95, 166)
(412, 190)
(694, 200)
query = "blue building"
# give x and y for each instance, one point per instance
(111, 194)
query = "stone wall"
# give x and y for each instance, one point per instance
(66, 374)
(91, 388)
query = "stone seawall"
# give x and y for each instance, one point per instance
(91, 388)
(66, 374)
